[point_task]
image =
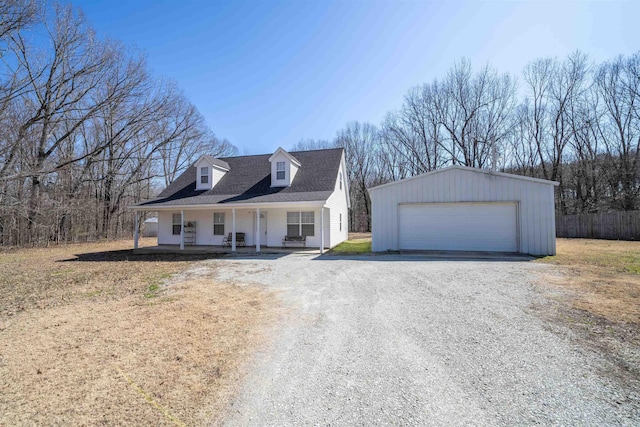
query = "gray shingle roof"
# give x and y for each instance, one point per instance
(249, 181)
(217, 162)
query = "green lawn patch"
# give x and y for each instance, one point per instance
(352, 247)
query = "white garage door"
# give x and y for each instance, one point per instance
(459, 227)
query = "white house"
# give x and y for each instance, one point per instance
(468, 209)
(266, 197)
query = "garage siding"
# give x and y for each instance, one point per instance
(536, 220)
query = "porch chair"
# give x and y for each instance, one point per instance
(239, 240)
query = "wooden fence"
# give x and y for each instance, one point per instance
(612, 225)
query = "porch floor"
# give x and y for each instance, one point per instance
(209, 249)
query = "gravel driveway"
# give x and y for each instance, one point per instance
(408, 340)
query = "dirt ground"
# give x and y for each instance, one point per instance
(355, 236)
(601, 277)
(596, 294)
(91, 334)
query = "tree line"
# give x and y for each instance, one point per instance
(85, 128)
(568, 120)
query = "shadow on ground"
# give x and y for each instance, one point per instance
(130, 255)
(426, 256)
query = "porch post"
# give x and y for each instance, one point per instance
(233, 230)
(135, 231)
(182, 229)
(322, 230)
(258, 230)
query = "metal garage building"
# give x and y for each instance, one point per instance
(465, 209)
(150, 227)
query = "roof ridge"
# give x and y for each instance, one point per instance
(317, 149)
(469, 169)
(269, 154)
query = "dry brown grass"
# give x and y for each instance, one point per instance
(74, 333)
(601, 276)
(359, 235)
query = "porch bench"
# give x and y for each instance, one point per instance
(229, 238)
(294, 240)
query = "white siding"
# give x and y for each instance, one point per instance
(217, 175)
(204, 226)
(277, 225)
(338, 205)
(165, 236)
(245, 223)
(536, 212)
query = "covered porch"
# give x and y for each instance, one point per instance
(221, 250)
(243, 228)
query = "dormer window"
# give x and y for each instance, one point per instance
(284, 168)
(209, 172)
(204, 175)
(280, 173)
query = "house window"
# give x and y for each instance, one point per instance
(340, 180)
(280, 170)
(340, 222)
(218, 224)
(204, 175)
(176, 223)
(300, 224)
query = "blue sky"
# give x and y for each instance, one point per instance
(266, 74)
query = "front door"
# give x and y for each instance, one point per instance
(263, 229)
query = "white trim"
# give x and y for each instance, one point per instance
(343, 168)
(174, 223)
(466, 168)
(210, 160)
(300, 223)
(321, 229)
(258, 230)
(223, 223)
(283, 170)
(287, 155)
(156, 208)
(202, 175)
(233, 230)
(182, 230)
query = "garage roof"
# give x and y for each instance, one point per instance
(466, 168)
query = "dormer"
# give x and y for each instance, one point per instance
(209, 171)
(283, 168)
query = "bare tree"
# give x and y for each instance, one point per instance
(360, 141)
(618, 84)
(312, 144)
(83, 131)
(475, 110)
(414, 132)
(17, 14)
